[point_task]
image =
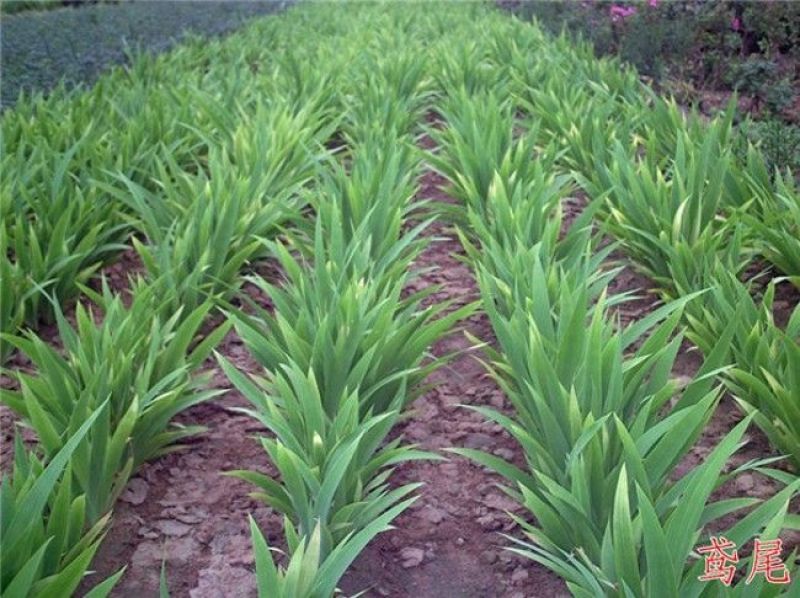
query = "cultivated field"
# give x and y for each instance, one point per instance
(409, 299)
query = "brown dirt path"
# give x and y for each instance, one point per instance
(181, 510)
(449, 544)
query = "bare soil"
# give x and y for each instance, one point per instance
(449, 542)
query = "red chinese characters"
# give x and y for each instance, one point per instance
(721, 558)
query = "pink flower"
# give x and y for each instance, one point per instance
(621, 12)
(736, 24)
(652, 3)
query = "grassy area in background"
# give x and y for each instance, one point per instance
(39, 48)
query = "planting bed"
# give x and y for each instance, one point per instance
(394, 291)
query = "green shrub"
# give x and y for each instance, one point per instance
(48, 539)
(137, 364)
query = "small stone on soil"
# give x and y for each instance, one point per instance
(477, 440)
(497, 401)
(412, 556)
(504, 453)
(432, 514)
(136, 492)
(519, 575)
(148, 534)
(488, 522)
(745, 482)
(174, 528)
